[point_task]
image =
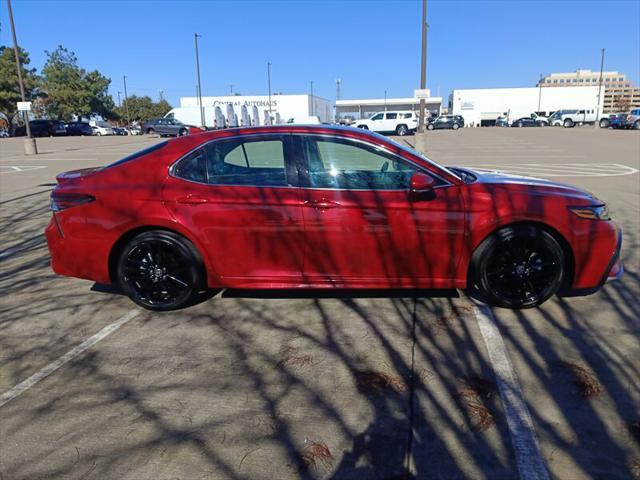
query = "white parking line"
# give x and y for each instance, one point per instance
(67, 357)
(561, 169)
(523, 436)
(20, 168)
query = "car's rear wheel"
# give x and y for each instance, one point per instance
(455, 126)
(150, 131)
(636, 125)
(518, 267)
(402, 130)
(160, 270)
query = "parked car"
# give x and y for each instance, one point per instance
(632, 120)
(398, 122)
(215, 211)
(3, 133)
(502, 121)
(100, 127)
(528, 122)
(543, 121)
(42, 128)
(119, 131)
(570, 118)
(453, 122)
(79, 128)
(169, 127)
(618, 120)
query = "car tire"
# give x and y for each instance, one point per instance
(364, 127)
(98, 134)
(430, 126)
(455, 126)
(160, 270)
(183, 132)
(636, 125)
(568, 123)
(604, 123)
(519, 124)
(402, 130)
(518, 267)
(150, 131)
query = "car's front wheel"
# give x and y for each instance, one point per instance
(150, 131)
(455, 126)
(518, 267)
(160, 270)
(430, 126)
(568, 123)
(183, 132)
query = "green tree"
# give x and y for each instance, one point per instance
(73, 91)
(9, 86)
(142, 109)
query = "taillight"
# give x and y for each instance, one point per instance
(62, 201)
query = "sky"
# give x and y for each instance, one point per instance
(371, 45)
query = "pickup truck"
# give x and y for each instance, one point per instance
(569, 118)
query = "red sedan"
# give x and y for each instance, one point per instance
(322, 207)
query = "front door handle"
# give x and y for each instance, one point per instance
(192, 200)
(322, 204)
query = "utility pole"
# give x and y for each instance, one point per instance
(385, 100)
(269, 87)
(119, 102)
(30, 146)
(539, 93)
(421, 136)
(338, 83)
(126, 102)
(196, 36)
(231, 89)
(599, 88)
(312, 101)
(161, 95)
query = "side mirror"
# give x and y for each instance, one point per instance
(421, 186)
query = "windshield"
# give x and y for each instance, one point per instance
(406, 148)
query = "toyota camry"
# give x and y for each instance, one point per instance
(322, 207)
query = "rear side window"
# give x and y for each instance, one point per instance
(141, 153)
(240, 162)
(392, 116)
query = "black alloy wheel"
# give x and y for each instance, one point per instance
(518, 267)
(160, 270)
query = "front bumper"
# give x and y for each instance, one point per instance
(615, 269)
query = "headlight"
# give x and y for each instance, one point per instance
(594, 212)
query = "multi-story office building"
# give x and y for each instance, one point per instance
(619, 93)
(581, 78)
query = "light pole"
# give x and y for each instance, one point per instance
(312, 102)
(30, 146)
(599, 88)
(539, 94)
(421, 136)
(196, 36)
(269, 87)
(126, 102)
(161, 95)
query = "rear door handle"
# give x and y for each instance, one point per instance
(192, 200)
(322, 204)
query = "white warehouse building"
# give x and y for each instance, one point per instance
(283, 109)
(482, 106)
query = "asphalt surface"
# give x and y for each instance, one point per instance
(340, 385)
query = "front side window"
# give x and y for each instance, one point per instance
(342, 164)
(378, 116)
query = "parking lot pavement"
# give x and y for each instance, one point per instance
(282, 385)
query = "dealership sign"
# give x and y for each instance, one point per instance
(24, 106)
